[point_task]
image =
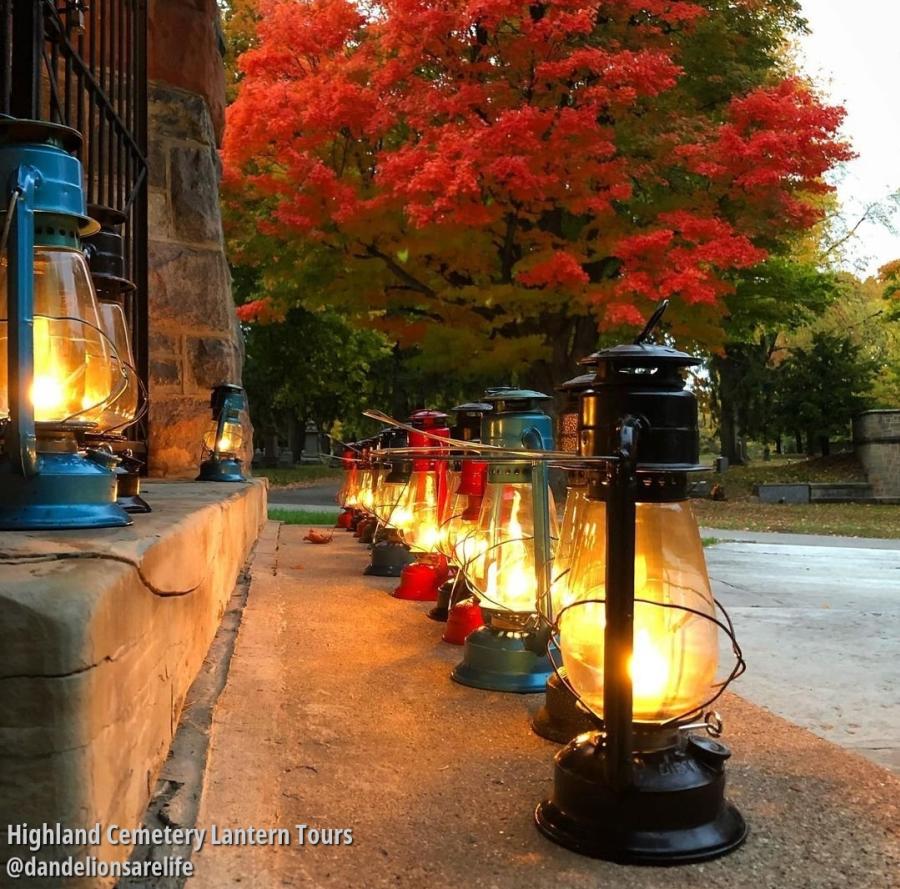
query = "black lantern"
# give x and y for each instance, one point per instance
(635, 623)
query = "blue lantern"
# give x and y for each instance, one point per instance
(58, 369)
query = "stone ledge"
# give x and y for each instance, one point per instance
(104, 631)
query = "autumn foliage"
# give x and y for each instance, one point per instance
(510, 175)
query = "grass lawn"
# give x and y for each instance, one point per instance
(302, 516)
(298, 476)
(743, 512)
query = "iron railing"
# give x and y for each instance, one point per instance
(83, 63)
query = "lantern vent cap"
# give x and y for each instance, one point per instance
(427, 418)
(473, 407)
(641, 355)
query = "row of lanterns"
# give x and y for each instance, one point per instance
(68, 385)
(611, 613)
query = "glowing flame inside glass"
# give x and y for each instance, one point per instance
(417, 512)
(501, 569)
(348, 496)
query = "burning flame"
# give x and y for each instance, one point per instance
(50, 386)
(511, 582)
(649, 672)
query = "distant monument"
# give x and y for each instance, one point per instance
(312, 444)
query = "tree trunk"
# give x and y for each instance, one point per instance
(779, 447)
(271, 450)
(725, 370)
(825, 445)
(798, 442)
(569, 339)
(298, 437)
(810, 442)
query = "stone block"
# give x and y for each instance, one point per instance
(159, 215)
(178, 424)
(212, 360)
(783, 493)
(876, 439)
(178, 114)
(190, 285)
(104, 632)
(840, 492)
(157, 160)
(194, 191)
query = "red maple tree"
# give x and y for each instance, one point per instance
(497, 178)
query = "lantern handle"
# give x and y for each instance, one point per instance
(651, 324)
(20, 312)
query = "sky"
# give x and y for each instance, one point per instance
(854, 54)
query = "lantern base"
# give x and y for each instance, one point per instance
(367, 534)
(69, 491)
(561, 719)
(129, 492)
(503, 660)
(674, 812)
(420, 581)
(465, 617)
(226, 470)
(389, 558)
(134, 504)
(441, 610)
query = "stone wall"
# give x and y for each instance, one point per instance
(104, 633)
(876, 439)
(194, 339)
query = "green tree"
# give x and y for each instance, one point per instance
(823, 386)
(775, 298)
(310, 366)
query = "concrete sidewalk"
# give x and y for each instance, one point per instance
(339, 712)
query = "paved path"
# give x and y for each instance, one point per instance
(339, 712)
(819, 624)
(314, 497)
(818, 618)
(801, 539)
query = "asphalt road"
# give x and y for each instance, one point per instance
(819, 625)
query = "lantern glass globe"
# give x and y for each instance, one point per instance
(227, 441)
(417, 513)
(675, 650)
(387, 496)
(73, 362)
(123, 405)
(459, 530)
(502, 571)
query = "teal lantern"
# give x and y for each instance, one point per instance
(511, 546)
(59, 371)
(225, 436)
